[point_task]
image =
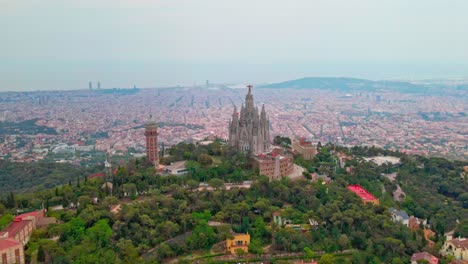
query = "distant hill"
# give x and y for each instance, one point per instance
(347, 84)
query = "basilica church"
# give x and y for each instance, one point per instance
(249, 131)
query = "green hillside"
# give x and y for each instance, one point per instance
(155, 219)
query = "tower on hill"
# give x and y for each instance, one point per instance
(249, 131)
(108, 167)
(151, 134)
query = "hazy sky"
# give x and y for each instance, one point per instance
(63, 44)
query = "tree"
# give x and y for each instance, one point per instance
(256, 246)
(343, 241)
(48, 251)
(308, 253)
(128, 252)
(164, 251)
(464, 199)
(10, 202)
(462, 229)
(73, 231)
(239, 252)
(203, 236)
(216, 183)
(5, 220)
(205, 160)
(100, 233)
(2, 209)
(327, 259)
(109, 201)
(168, 229)
(192, 184)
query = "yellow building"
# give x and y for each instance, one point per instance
(239, 241)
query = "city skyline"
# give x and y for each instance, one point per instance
(103, 120)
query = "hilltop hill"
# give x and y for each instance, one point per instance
(347, 84)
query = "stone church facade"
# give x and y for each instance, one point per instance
(249, 131)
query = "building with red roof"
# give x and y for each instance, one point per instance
(33, 216)
(20, 230)
(424, 256)
(96, 175)
(365, 195)
(11, 251)
(16, 235)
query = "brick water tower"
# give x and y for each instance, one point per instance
(151, 134)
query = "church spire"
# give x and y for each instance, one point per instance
(249, 101)
(235, 115)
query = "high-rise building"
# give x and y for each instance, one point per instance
(249, 132)
(90, 85)
(99, 85)
(151, 134)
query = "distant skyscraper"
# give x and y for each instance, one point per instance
(90, 84)
(99, 85)
(207, 84)
(250, 132)
(151, 134)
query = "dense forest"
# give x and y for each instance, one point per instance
(144, 217)
(21, 177)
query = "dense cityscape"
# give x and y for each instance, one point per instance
(432, 124)
(233, 132)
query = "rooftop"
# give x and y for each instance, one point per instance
(37, 214)
(425, 255)
(176, 165)
(96, 175)
(8, 243)
(460, 243)
(361, 192)
(14, 228)
(304, 142)
(401, 213)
